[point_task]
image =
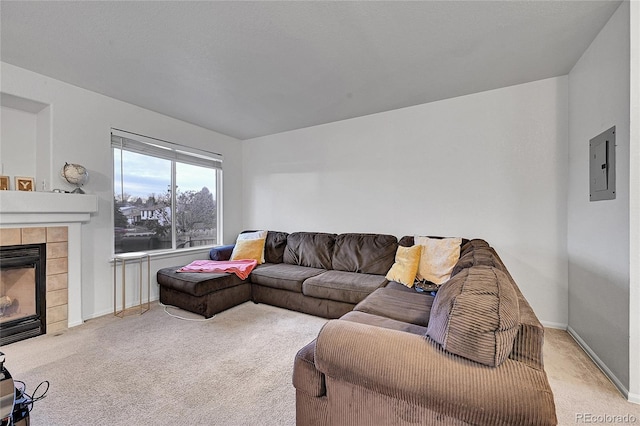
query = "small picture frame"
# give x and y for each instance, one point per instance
(4, 183)
(25, 183)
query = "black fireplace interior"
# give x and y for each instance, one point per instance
(22, 292)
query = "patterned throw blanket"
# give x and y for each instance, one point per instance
(242, 268)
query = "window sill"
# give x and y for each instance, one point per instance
(165, 254)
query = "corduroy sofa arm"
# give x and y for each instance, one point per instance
(306, 377)
(415, 369)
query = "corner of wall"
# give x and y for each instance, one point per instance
(598, 239)
(599, 363)
(634, 206)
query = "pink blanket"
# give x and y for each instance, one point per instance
(242, 268)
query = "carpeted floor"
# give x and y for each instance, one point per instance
(154, 369)
(232, 370)
(583, 394)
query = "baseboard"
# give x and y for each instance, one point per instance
(603, 367)
(75, 324)
(634, 397)
(558, 325)
(110, 311)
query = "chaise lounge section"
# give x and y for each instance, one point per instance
(316, 273)
(390, 355)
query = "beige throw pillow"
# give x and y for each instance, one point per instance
(438, 258)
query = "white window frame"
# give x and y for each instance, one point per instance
(145, 145)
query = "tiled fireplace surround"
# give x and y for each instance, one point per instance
(56, 220)
(57, 278)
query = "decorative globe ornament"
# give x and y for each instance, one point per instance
(76, 175)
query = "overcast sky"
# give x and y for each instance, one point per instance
(146, 175)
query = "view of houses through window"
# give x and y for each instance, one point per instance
(162, 200)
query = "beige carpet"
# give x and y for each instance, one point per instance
(233, 370)
(583, 394)
(154, 369)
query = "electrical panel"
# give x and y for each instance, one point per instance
(602, 166)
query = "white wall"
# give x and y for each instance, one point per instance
(18, 147)
(490, 165)
(598, 232)
(80, 123)
(634, 201)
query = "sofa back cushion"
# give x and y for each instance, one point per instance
(364, 253)
(409, 240)
(274, 246)
(477, 256)
(472, 245)
(313, 249)
(476, 315)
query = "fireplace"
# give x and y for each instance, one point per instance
(55, 220)
(54, 258)
(22, 292)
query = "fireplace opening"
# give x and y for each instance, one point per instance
(22, 292)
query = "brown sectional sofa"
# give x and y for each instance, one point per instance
(391, 355)
(312, 272)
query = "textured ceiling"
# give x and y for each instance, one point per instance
(248, 69)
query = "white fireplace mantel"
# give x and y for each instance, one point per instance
(33, 209)
(23, 207)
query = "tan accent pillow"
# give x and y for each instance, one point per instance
(256, 235)
(406, 265)
(438, 258)
(249, 250)
(476, 315)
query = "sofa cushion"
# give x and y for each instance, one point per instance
(313, 249)
(274, 246)
(283, 276)
(476, 315)
(379, 321)
(406, 306)
(364, 253)
(472, 245)
(348, 287)
(196, 283)
(408, 240)
(401, 287)
(478, 256)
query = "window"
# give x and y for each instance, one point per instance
(165, 196)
